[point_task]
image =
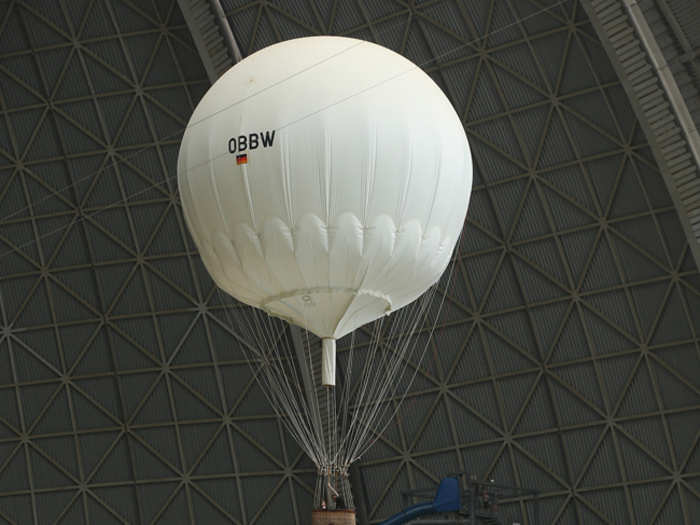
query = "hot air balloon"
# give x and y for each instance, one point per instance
(325, 182)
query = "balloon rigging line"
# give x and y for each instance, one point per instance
(299, 430)
(302, 419)
(422, 354)
(331, 440)
(375, 373)
(380, 379)
(122, 159)
(357, 443)
(380, 408)
(288, 373)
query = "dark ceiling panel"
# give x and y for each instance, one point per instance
(566, 357)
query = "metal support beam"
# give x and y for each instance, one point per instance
(359, 492)
(657, 101)
(227, 33)
(212, 35)
(666, 76)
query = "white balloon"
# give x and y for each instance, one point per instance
(325, 180)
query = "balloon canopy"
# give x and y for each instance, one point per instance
(325, 180)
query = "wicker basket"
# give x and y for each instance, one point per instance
(333, 517)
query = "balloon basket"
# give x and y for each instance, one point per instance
(333, 517)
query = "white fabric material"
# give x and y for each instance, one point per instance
(352, 208)
(328, 362)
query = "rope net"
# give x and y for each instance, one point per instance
(375, 366)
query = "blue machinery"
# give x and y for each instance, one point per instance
(477, 505)
(446, 500)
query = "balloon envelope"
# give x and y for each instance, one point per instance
(326, 181)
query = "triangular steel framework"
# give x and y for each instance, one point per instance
(567, 355)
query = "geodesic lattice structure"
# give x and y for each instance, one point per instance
(566, 357)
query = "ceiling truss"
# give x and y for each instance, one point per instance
(566, 358)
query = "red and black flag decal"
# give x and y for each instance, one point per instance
(242, 159)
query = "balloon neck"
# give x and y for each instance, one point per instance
(328, 362)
